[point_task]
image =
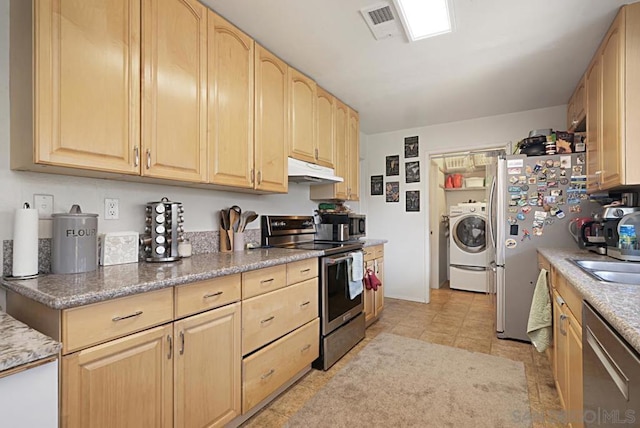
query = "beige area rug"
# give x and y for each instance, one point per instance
(400, 382)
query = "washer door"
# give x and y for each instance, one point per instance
(469, 233)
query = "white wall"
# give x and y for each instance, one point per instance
(407, 253)
(201, 206)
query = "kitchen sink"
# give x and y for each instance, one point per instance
(611, 271)
(610, 266)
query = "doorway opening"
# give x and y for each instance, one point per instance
(459, 192)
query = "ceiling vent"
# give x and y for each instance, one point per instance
(381, 20)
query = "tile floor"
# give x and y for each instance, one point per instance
(453, 318)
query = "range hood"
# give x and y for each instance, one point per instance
(305, 172)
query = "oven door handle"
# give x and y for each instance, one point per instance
(332, 261)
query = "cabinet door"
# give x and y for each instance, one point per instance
(612, 108)
(271, 122)
(369, 297)
(207, 368)
(87, 83)
(325, 128)
(174, 111)
(127, 382)
(230, 104)
(574, 357)
(302, 106)
(594, 118)
(560, 345)
(342, 136)
(353, 156)
(379, 298)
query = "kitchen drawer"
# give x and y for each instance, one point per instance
(203, 295)
(270, 316)
(543, 263)
(374, 252)
(99, 322)
(260, 281)
(268, 369)
(379, 251)
(569, 294)
(302, 270)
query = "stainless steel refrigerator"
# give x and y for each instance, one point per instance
(531, 202)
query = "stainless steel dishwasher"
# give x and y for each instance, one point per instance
(611, 370)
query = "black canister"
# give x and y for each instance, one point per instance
(75, 242)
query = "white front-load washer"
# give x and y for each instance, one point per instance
(468, 247)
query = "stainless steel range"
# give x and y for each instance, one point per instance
(341, 318)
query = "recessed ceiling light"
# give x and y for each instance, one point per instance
(424, 18)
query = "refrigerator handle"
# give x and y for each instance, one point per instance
(492, 217)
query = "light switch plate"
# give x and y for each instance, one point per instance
(44, 205)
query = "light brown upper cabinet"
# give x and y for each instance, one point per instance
(613, 107)
(231, 59)
(576, 110)
(271, 128)
(86, 109)
(325, 128)
(594, 113)
(302, 111)
(81, 106)
(347, 165)
(353, 156)
(174, 108)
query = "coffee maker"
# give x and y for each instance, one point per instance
(611, 217)
(333, 227)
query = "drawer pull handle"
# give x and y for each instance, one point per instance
(306, 347)
(264, 281)
(135, 314)
(305, 304)
(267, 374)
(170, 340)
(305, 270)
(217, 293)
(267, 320)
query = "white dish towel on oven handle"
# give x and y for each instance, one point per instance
(356, 274)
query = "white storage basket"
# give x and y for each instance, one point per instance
(457, 163)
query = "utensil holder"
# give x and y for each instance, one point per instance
(238, 241)
(226, 240)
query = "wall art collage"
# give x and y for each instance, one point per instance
(391, 189)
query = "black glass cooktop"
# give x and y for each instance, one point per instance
(326, 246)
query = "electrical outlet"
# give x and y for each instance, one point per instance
(111, 209)
(44, 205)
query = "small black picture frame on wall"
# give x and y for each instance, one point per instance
(411, 147)
(376, 185)
(393, 165)
(393, 191)
(412, 201)
(412, 172)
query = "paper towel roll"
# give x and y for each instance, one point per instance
(25, 242)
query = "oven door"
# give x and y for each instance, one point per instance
(337, 307)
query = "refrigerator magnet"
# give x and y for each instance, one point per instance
(514, 171)
(511, 220)
(524, 187)
(515, 163)
(521, 216)
(564, 181)
(528, 170)
(549, 163)
(575, 209)
(525, 234)
(526, 210)
(556, 164)
(514, 189)
(513, 179)
(510, 243)
(513, 210)
(560, 214)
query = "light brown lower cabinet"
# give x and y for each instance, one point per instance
(182, 374)
(374, 299)
(566, 352)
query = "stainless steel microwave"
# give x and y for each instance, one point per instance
(357, 226)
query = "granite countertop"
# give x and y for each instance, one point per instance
(619, 304)
(368, 242)
(71, 290)
(20, 344)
